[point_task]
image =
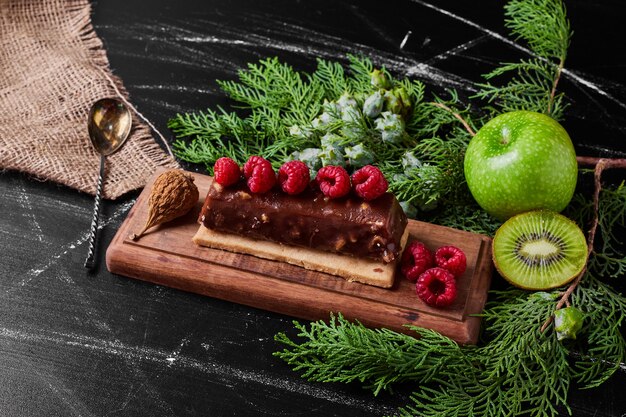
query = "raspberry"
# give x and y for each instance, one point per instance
(226, 171)
(415, 260)
(369, 182)
(259, 174)
(436, 287)
(294, 177)
(451, 258)
(333, 180)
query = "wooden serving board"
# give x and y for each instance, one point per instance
(167, 256)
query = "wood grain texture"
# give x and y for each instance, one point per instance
(167, 256)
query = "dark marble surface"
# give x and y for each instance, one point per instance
(79, 344)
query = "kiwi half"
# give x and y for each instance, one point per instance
(538, 250)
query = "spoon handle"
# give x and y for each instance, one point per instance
(90, 261)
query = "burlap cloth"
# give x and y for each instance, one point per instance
(52, 68)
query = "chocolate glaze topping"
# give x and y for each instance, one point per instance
(350, 225)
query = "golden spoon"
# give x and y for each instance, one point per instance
(109, 126)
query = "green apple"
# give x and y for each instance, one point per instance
(521, 161)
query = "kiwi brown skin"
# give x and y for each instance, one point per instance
(558, 283)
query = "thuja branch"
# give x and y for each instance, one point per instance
(600, 165)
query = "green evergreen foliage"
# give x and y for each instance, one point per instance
(543, 24)
(419, 140)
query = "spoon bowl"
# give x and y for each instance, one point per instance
(109, 125)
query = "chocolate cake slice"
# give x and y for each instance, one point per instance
(359, 240)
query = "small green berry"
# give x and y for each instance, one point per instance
(567, 322)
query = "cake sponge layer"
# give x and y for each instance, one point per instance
(351, 268)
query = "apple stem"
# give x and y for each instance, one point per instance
(457, 115)
(600, 165)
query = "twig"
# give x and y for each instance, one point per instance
(607, 162)
(600, 165)
(559, 70)
(457, 115)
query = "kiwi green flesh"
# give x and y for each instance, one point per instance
(539, 250)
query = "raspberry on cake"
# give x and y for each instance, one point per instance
(369, 182)
(259, 174)
(294, 177)
(333, 231)
(226, 171)
(333, 181)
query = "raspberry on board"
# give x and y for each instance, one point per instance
(259, 174)
(294, 177)
(369, 182)
(452, 259)
(226, 171)
(416, 259)
(436, 287)
(333, 181)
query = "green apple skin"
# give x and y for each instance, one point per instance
(521, 161)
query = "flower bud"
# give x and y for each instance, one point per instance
(397, 101)
(332, 150)
(332, 108)
(389, 121)
(392, 103)
(310, 156)
(346, 101)
(300, 132)
(332, 155)
(323, 121)
(410, 162)
(350, 115)
(331, 140)
(403, 96)
(379, 79)
(391, 127)
(358, 156)
(373, 105)
(353, 132)
(392, 136)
